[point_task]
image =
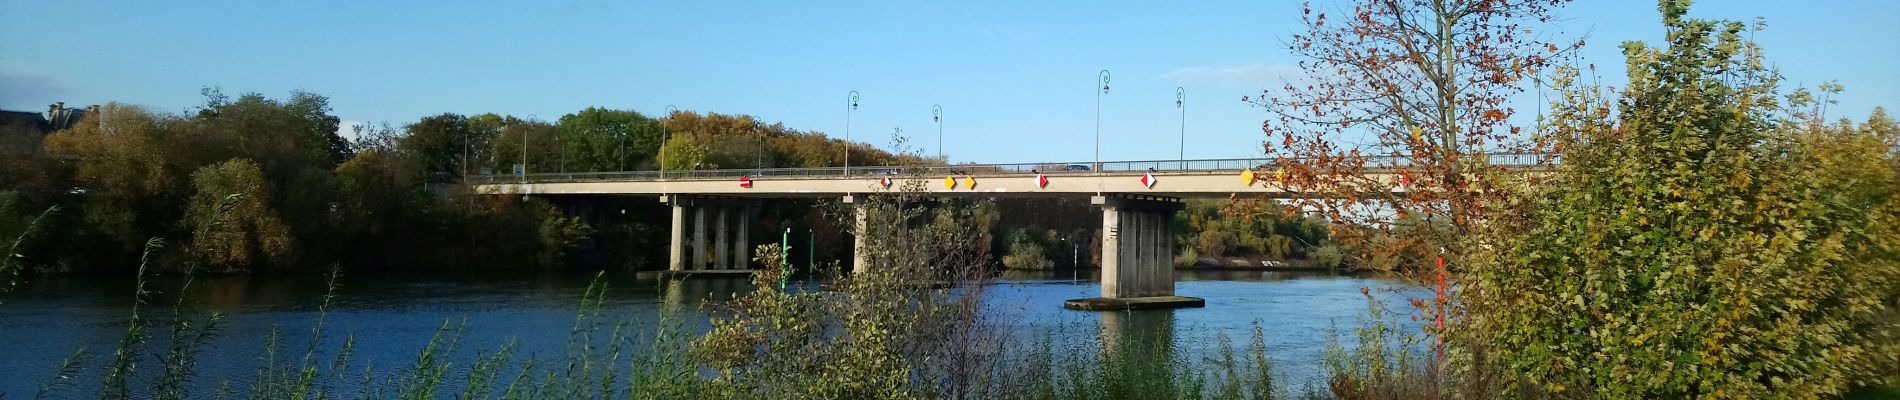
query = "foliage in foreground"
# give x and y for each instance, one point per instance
(1704, 240)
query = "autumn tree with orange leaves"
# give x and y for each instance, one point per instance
(1420, 88)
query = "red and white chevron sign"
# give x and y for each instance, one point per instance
(1042, 181)
(745, 182)
(1148, 180)
(886, 181)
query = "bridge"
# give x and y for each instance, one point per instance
(1137, 199)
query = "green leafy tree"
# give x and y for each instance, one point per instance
(543, 153)
(232, 227)
(1699, 240)
(600, 139)
(683, 152)
(438, 142)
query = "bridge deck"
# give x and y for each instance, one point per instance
(1175, 178)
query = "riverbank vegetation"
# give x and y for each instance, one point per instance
(382, 199)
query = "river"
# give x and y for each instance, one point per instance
(395, 315)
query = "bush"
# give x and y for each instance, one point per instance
(1693, 244)
(1328, 256)
(1026, 253)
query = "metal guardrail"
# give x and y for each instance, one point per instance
(1063, 168)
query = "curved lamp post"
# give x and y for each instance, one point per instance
(1180, 101)
(524, 151)
(936, 114)
(1098, 120)
(847, 132)
(670, 109)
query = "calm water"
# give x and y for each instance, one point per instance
(394, 315)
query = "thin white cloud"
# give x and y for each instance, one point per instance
(1256, 75)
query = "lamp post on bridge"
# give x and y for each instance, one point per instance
(1098, 120)
(1180, 101)
(670, 109)
(847, 132)
(936, 115)
(759, 129)
(524, 150)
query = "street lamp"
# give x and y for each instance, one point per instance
(670, 109)
(760, 130)
(524, 150)
(1098, 120)
(1180, 101)
(847, 132)
(936, 114)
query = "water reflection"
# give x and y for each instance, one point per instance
(395, 315)
(684, 293)
(1142, 332)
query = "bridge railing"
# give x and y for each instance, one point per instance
(1061, 168)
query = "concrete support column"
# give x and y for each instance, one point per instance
(676, 247)
(742, 240)
(700, 258)
(860, 255)
(1164, 229)
(1137, 251)
(1111, 252)
(721, 236)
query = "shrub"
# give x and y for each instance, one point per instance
(1701, 242)
(1026, 253)
(1327, 256)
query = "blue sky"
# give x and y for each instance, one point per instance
(1015, 79)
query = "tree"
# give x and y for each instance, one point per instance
(438, 142)
(1420, 86)
(319, 127)
(1701, 239)
(123, 165)
(683, 152)
(543, 153)
(232, 228)
(599, 139)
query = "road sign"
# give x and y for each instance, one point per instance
(520, 169)
(1148, 180)
(969, 182)
(949, 182)
(1042, 181)
(745, 182)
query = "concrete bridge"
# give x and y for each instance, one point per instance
(1137, 200)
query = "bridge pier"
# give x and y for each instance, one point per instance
(1137, 255)
(723, 246)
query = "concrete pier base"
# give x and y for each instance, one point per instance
(1134, 303)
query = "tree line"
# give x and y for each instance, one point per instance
(259, 184)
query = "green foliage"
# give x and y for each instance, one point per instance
(1025, 252)
(1328, 256)
(438, 142)
(1384, 362)
(683, 152)
(232, 229)
(1215, 228)
(599, 139)
(1702, 241)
